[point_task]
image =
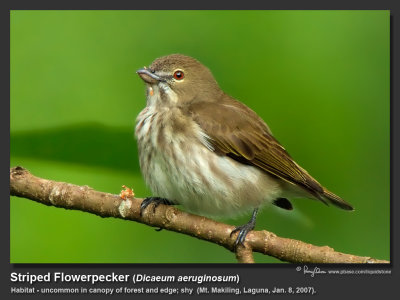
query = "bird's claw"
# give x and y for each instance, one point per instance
(156, 200)
(243, 231)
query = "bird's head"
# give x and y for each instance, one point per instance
(177, 79)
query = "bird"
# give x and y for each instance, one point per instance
(200, 148)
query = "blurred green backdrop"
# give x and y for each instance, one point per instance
(319, 78)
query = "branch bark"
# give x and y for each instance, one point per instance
(84, 198)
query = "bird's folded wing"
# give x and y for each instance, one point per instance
(238, 132)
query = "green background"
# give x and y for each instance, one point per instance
(320, 79)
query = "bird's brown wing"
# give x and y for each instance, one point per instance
(238, 132)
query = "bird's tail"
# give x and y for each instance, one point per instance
(336, 200)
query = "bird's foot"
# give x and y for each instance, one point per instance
(156, 200)
(244, 229)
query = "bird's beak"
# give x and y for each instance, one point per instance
(148, 76)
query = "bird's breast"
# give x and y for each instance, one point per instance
(179, 164)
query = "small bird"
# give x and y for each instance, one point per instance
(201, 148)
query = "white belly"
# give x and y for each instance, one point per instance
(186, 172)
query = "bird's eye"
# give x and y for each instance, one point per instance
(178, 75)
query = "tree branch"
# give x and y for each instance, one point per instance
(69, 196)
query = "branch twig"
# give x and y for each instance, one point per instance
(244, 254)
(69, 196)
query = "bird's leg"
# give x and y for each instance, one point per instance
(245, 229)
(156, 200)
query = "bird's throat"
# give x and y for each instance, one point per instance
(161, 95)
